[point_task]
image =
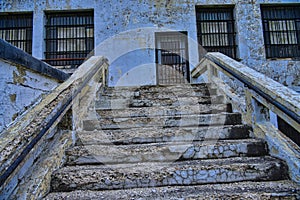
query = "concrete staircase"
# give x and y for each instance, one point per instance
(169, 142)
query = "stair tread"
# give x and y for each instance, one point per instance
(164, 121)
(176, 98)
(168, 151)
(244, 190)
(159, 87)
(118, 176)
(164, 110)
(165, 93)
(191, 107)
(157, 134)
(195, 143)
(178, 117)
(150, 102)
(153, 166)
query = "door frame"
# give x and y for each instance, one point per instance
(183, 37)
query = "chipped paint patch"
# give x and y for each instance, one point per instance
(12, 98)
(18, 78)
(21, 88)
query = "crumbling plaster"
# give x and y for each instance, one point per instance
(117, 16)
(20, 89)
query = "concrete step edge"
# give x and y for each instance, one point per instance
(166, 110)
(141, 175)
(164, 152)
(142, 135)
(163, 121)
(241, 190)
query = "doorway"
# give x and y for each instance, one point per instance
(171, 57)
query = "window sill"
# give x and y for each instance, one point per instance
(283, 59)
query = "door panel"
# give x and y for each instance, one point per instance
(172, 58)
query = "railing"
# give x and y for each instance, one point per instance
(20, 144)
(261, 100)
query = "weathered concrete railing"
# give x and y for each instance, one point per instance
(261, 101)
(23, 81)
(33, 147)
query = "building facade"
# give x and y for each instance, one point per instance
(140, 38)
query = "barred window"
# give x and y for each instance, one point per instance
(69, 38)
(16, 28)
(281, 26)
(215, 29)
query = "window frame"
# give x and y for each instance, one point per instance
(213, 14)
(281, 32)
(18, 24)
(63, 29)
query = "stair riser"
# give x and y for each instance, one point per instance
(179, 101)
(91, 154)
(110, 178)
(181, 121)
(166, 111)
(153, 135)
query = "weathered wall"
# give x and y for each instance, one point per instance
(20, 89)
(115, 16)
(251, 45)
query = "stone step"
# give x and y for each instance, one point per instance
(156, 134)
(163, 152)
(120, 103)
(163, 121)
(165, 110)
(241, 190)
(160, 94)
(158, 174)
(157, 89)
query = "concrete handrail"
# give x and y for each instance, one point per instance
(19, 139)
(261, 100)
(287, 100)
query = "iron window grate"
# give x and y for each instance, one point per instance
(69, 38)
(281, 27)
(16, 28)
(215, 29)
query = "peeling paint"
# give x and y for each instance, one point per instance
(15, 116)
(20, 90)
(13, 98)
(18, 78)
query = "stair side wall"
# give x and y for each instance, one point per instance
(20, 89)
